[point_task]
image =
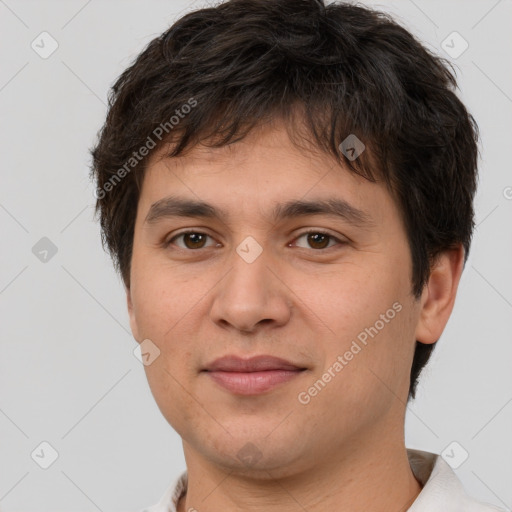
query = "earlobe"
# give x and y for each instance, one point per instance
(439, 294)
(131, 313)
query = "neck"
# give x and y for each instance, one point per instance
(363, 477)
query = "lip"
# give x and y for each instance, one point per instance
(253, 383)
(252, 376)
(232, 363)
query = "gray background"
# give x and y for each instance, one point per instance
(68, 375)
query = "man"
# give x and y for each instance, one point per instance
(286, 189)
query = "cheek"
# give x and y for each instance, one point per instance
(167, 387)
(163, 314)
(163, 298)
(350, 298)
(371, 322)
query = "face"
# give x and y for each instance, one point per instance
(250, 280)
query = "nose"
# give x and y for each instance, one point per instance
(252, 295)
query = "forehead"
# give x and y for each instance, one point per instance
(259, 173)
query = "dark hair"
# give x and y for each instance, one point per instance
(341, 70)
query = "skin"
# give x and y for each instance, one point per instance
(345, 449)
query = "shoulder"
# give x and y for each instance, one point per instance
(169, 500)
(442, 490)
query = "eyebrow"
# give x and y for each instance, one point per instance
(174, 206)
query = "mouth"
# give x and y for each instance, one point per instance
(233, 363)
(253, 383)
(252, 376)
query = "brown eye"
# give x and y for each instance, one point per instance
(190, 240)
(194, 240)
(319, 240)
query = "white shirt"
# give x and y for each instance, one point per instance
(441, 491)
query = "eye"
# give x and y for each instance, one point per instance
(191, 240)
(318, 239)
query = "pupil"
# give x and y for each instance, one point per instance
(195, 236)
(315, 237)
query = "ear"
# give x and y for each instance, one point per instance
(131, 314)
(438, 295)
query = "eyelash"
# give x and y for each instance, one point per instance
(311, 231)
